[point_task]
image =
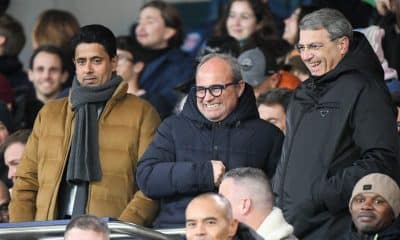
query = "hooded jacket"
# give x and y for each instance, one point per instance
(162, 75)
(176, 167)
(340, 127)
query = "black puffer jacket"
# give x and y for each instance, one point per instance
(176, 167)
(340, 127)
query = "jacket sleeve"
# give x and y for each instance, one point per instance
(373, 123)
(142, 210)
(275, 152)
(23, 202)
(160, 175)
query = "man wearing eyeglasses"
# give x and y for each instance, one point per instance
(218, 129)
(341, 126)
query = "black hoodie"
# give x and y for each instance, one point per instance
(340, 127)
(176, 166)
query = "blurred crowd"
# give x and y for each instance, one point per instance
(280, 121)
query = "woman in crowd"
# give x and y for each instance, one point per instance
(251, 24)
(160, 32)
(247, 21)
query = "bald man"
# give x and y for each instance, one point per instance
(209, 217)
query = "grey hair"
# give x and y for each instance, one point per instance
(232, 61)
(332, 20)
(253, 180)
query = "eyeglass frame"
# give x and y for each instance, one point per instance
(220, 87)
(313, 47)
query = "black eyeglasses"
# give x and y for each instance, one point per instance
(215, 90)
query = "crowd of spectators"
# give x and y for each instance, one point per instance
(285, 124)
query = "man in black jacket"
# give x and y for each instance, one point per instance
(218, 129)
(375, 208)
(341, 126)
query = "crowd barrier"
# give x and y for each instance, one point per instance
(54, 230)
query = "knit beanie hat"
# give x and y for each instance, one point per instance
(380, 184)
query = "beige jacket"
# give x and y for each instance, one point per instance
(126, 126)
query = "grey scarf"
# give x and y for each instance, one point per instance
(84, 163)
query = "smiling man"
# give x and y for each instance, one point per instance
(340, 126)
(375, 208)
(47, 72)
(83, 150)
(218, 129)
(209, 216)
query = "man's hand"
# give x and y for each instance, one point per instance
(218, 171)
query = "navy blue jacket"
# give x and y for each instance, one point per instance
(340, 127)
(163, 74)
(176, 166)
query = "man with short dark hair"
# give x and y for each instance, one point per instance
(272, 106)
(218, 129)
(375, 208)
(47, 73)
(340, 126)
(87, 227)
(132, 59)
(13, 148)
(83, 150)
